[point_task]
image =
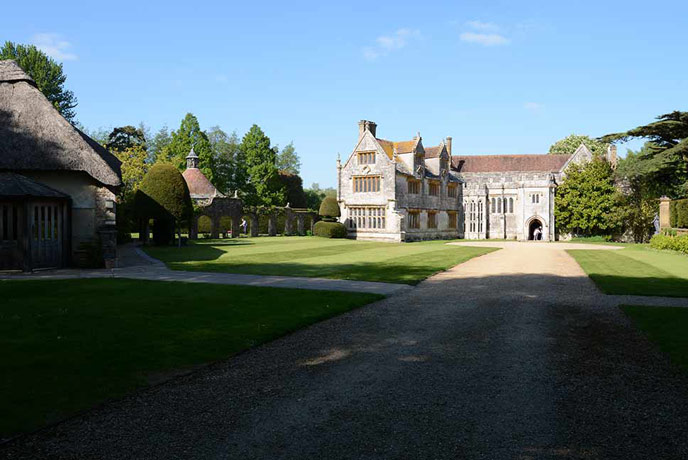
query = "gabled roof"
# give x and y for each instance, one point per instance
(509, 163)
(17, 186)
(34, 136)
(390, 147)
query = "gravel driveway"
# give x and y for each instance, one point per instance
(514, 354)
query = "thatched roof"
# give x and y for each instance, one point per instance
(34, 136)
(17, 186)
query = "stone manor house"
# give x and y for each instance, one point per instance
(404, 191)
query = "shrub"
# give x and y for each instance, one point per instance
(674, 243)
(681, 214)
(673, 217)
(329, 229)
(164, 190)
(329, 208)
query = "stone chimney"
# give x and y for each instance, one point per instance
(448, 143)
(611, 155)
(369, 125)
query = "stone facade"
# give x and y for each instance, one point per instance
(426, 193)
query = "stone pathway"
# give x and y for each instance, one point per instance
(136, 264)
(511, 355)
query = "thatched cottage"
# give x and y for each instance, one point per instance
(57, 185)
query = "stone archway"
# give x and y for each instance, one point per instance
(534, 224)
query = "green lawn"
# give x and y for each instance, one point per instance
(665, 326)
(318, 257)
(636, 270)
(68, 345)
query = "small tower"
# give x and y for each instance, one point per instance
(192, 160)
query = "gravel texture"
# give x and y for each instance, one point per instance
(514, 354)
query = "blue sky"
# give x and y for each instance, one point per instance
(499, 77)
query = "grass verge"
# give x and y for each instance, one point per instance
(68, 345)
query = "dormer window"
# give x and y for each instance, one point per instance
(366, 158)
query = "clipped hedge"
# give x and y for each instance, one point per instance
(674, 243)
(673, 217)
(329, 229)
(329, 208)
(163, 191)
(681, 208)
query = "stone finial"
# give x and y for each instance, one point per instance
(448, 144)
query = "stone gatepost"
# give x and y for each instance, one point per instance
(300, 224)
(108, 244)
(288, 221)
(664, 212)
(236, 226)
(272, 224)
(254, 224)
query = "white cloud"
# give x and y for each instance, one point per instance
(54, 46)
(385, 44)
(484, 26)
(532, 106)
(484, 39)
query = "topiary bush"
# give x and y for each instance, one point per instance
(329, 209)
(164, 196)
(329, 229)
(673, 217)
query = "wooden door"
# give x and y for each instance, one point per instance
(11, 230)
(46, 234)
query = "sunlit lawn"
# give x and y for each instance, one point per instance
(318, 257)
(636, 270)
(70, 344)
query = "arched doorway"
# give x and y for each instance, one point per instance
(535, 224)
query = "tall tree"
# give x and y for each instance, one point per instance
(126, 137)
(47, 74)
(230, 171)
(264, 187)
(569, 144)
(134, 167)
(189, 135)
(587, 200)
(665, 158)
(288, 160)
(158, 143)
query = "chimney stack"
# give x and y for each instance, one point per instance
(448, 143)
(611, 155)
(364, 125)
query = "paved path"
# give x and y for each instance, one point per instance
(135, 264)
(512, 355)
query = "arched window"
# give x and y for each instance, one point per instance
(499, 205)
(511, 205)
(493, 208)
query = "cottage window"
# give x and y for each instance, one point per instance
(413, 187)
(414, 219)
(434, 189)
(366, 158)
(452, 219)
(432, 219)
(366, 184)
(367, 217)
(535, 197)
(452, 191)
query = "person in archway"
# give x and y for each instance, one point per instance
(537, 234)
(244, 225)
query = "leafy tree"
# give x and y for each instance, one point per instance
(134, 166)
(158, 144)
(230, 171)
(569, 144)
(288, 160)
(125, 138)
(587, 201)
(665, 158)
(264, 187)
(47, 74)
(189, 135)
(100, 135)
(293, 187)
(315, 195)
